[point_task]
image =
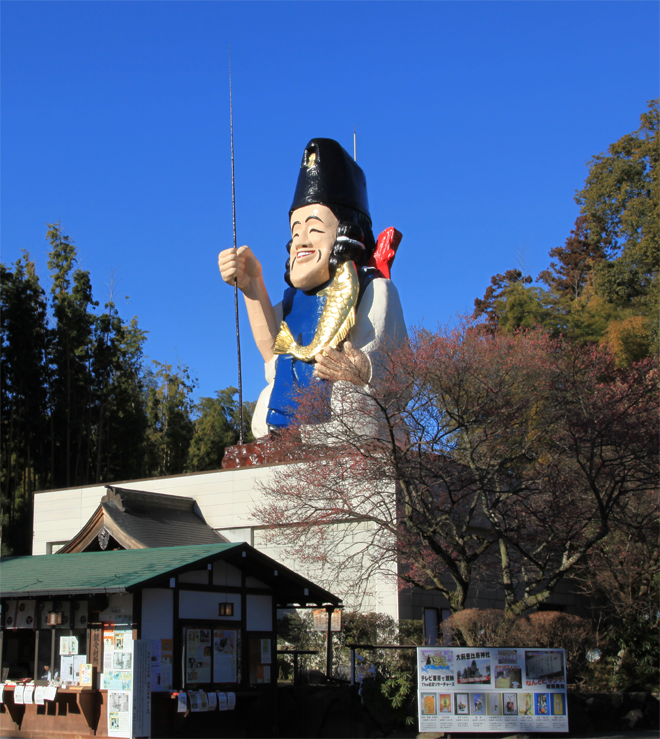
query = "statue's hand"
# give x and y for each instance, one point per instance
(240, 266)
(349, 364)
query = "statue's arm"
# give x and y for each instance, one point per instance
(240, 266)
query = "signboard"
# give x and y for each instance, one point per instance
(321, 620)
(491, 689)
(127, 678)
(141, 724)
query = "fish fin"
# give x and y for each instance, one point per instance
(284, 341)
(346, 326)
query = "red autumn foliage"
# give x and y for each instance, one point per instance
(470, 460)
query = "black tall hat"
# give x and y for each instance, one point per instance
(328, 175)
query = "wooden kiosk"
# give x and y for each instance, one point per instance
(181, 638)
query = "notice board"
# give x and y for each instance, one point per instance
(491, 689)
(127, 678)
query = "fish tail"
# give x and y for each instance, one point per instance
(284, 341)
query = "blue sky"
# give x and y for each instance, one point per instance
(474, 123)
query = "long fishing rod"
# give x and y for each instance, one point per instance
(233, 206)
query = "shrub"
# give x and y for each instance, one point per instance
(555, 630)
(476, 627)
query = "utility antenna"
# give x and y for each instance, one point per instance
(354, 145)
(233, 207)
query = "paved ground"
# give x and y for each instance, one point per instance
(618, 735)
(649, 734)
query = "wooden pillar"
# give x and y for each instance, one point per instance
(328, 644)
(52, 653)
(36, 654)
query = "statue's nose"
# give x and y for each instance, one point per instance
(304, 240)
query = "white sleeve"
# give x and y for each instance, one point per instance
(379, 320)
(259, 425)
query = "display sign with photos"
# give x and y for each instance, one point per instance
(491, 689)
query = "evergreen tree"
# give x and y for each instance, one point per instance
(569, 275)
(78, 405)
(71, 356)
(170, 426)
(510, 302)
(620, 199)
(23, 345)
(602, 284)
(120, 397)
(217, 425)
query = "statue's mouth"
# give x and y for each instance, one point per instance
(307, 254)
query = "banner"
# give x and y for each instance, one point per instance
(489, 689)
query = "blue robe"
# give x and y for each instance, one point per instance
(302, 312)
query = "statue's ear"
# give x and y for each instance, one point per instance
(350, 235)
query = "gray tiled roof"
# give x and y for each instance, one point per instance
(159, 520)
(137, 520)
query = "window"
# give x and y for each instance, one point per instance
(18, 651)
(260, 659)
(52, 547)
(212, 655)
(45, 655)
(39, 653)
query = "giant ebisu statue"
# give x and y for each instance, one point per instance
(340, 307)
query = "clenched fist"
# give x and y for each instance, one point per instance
(239, 266)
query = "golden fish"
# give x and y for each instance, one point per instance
(337, 319)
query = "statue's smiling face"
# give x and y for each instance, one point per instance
(313, 234)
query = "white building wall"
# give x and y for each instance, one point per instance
(157, 613)
(225, 499)
(60, 514)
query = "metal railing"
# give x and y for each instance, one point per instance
(295, 653)
(372, 647)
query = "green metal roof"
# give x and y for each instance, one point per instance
(126, 570)
(101, 572)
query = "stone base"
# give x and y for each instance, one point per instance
(259, 452)
(244, 455)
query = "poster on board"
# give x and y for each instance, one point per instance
(129, 690)
(119, 713)
(198, 656)
(225, 655)
(489, 689)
